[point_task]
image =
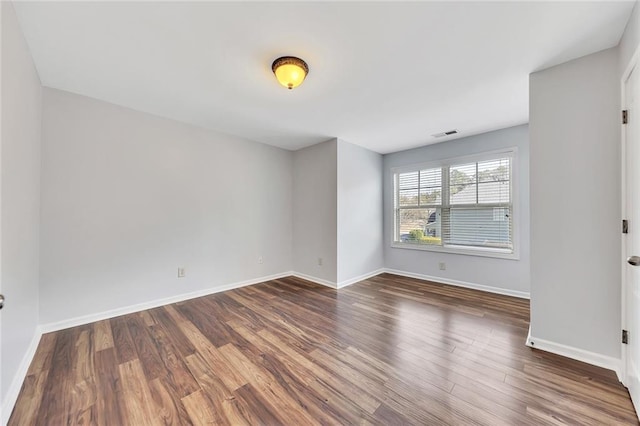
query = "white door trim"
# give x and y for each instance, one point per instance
(623, 181)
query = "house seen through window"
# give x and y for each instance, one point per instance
(460, 204)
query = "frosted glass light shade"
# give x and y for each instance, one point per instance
(290, 71)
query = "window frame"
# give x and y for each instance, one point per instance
(513, 254)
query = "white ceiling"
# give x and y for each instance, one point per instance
(385, 76)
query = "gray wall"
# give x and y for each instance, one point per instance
(20, 199)
(127, 198)
(359, 212)
(507, 274)
(575, 199)
(314, 211)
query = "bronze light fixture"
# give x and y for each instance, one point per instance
(290, 71)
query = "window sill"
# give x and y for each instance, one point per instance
(481, 252)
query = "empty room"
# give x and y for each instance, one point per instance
(332, 212)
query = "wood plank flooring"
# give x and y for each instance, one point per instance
(388, 350)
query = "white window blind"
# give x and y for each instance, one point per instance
(466, 204)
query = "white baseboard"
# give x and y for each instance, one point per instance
(86, 319)
(313, 279)
(339, 285)
(582, 355)
(16, 384)
(362, 277)
(473, 286)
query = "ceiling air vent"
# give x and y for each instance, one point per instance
(443, 134)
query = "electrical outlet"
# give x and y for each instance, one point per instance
(319, 261)
(442, 266)
(182, 272)
(260, 260)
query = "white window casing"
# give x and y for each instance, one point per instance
(464, 205)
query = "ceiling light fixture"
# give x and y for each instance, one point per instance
(290, 71)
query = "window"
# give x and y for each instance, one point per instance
(460, 205)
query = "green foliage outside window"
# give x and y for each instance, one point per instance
(417, 235)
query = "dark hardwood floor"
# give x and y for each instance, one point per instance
(388, 350)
